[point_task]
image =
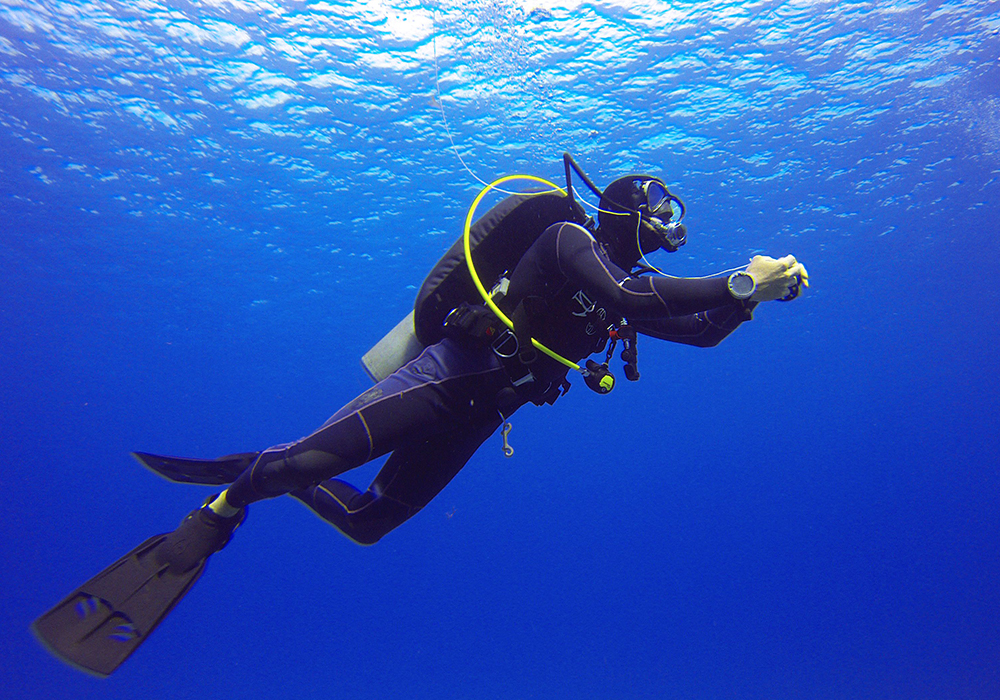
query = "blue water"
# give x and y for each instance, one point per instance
(210, 210)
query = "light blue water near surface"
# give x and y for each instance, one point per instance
(210, 210)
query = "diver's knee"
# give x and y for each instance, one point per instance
(366, 532)
(366, 540)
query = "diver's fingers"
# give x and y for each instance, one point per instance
(788, 261)
(798, 271)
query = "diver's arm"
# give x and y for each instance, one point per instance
(773, 278)
(581, 262)
(705, 329)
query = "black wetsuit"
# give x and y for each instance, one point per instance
(435, 412)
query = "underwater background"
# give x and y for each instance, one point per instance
(210, 210)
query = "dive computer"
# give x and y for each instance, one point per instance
(741, 285)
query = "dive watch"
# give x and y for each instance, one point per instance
(741, 285)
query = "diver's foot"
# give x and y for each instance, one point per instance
(200, 534)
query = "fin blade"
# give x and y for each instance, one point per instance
(98, 626)
(215, 472)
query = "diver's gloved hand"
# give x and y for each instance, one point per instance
(777, 279)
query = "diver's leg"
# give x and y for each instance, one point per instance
(448, 387)
(411, 477)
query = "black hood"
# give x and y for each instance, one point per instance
(617, 231)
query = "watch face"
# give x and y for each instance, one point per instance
(741, 285)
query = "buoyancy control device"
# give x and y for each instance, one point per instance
(498, 240)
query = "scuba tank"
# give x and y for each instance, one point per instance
(498, 241)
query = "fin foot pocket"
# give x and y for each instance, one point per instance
(201, 534)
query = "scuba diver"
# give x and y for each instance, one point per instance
(563, 287)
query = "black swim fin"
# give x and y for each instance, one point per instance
(223, 470)
(103, 621)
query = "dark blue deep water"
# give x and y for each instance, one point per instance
(210, 209)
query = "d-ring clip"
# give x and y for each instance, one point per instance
(508, 451)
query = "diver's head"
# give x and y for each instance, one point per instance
(635, 219)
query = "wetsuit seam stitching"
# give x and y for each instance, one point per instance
(358, 412)
(559, 240)
(620, 283)
(663, 301)
(347, 508)
(368, 434)
(722, 324)
(407, 390)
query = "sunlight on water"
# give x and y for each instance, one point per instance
(334, 97)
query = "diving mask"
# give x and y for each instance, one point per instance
(659, 201)
(658, 210)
